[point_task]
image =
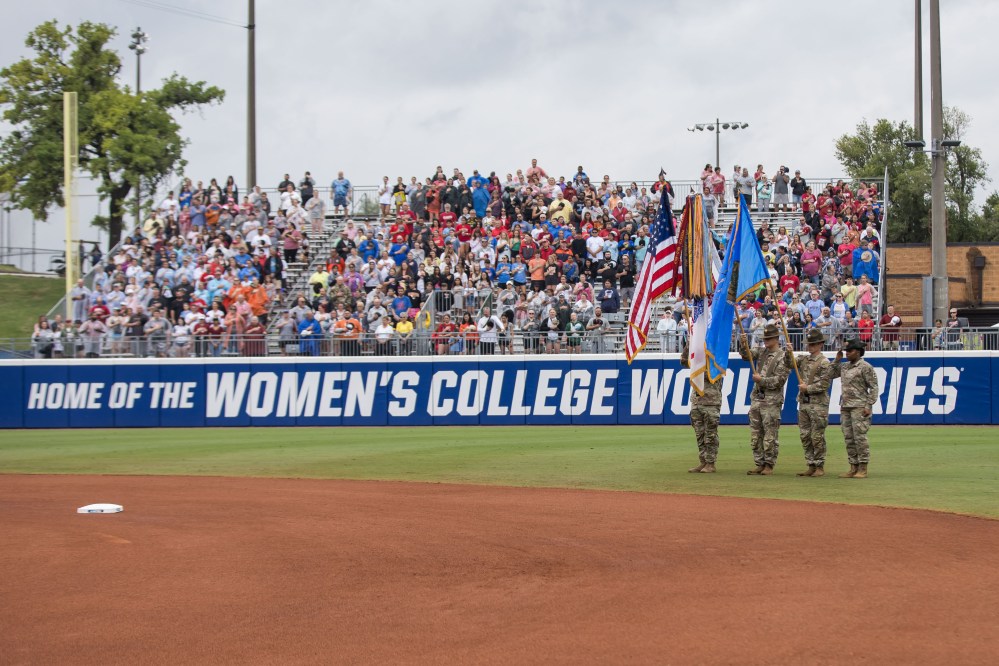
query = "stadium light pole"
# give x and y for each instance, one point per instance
(717, 126)
(917, 117)
(138, 44)
(251, 97)
(69, 160)
(938, 165)
(938, 223)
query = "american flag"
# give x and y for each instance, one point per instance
(657, 277)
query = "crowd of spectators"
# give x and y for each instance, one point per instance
(198, 277)
(529, 263)
(826, 264)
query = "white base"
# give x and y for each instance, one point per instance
(101, 508)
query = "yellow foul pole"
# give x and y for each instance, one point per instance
(69, 158)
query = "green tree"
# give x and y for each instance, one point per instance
(875, 148)
(123, 136)
(985, 225)
(966, 172)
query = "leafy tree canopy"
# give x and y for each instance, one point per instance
(867, 153)
(123, 137)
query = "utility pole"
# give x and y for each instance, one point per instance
(138, 44)
(69, 159)
(251, 99)
(917, 118)
(938, 222)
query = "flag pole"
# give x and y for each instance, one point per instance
(744, 340)
(783, 325)
(690, 322)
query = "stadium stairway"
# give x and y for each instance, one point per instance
(297, 273)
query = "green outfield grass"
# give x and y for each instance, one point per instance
(946, 468)
(25, 298)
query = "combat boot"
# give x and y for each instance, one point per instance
(698, 468)
(809, 472)
(861, 471)
(767, 470)
(850, 474)
(759, 470)
(819, 471)
(709, 468)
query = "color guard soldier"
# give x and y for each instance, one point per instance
(860, 392)
(767, 397)
(813, 402)
(705, 411)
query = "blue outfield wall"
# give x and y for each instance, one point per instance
(916, 388)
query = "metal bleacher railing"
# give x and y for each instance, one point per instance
(424, 342)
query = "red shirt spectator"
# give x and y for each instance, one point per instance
(865, 327)
(811, 261)
(398, 228)
(789, 281)
(890, 324)
(718, 184)
(845, 253)
(807, 201)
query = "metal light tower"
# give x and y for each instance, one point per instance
(71, 150)
(938, 164)
(717, 126)
(938, 228)
(138, 44)
(251, 98)
(917, 117)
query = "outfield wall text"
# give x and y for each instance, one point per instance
(916, 388)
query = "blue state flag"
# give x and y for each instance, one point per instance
(743, 271)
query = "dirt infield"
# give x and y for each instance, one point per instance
(208, 570)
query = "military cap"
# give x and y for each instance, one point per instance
(815, 337)
(770, 331)
(857, 345)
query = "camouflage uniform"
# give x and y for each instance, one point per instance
(705, 412)
(766, 403)
(813, 407)
(860, 392)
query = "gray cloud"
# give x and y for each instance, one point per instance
(388, 87)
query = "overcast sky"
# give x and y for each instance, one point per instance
(394, 87)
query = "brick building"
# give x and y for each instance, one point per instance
(973, 276)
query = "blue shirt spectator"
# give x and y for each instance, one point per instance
(398, 252)
(401, 305)
(518, 271)
(243, 259)
(310, 333)
(610, 302)
(865, 262)
(198, 215)
(503, 272)
(368, 249)
(814, 306)
(477, 179)
(480, 200)
(249, 272)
